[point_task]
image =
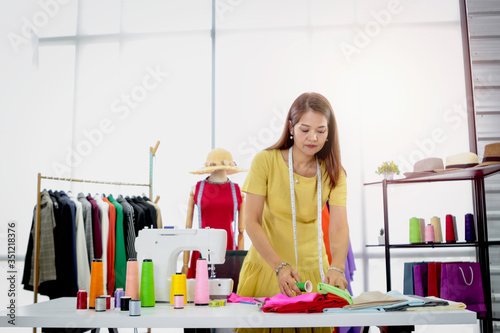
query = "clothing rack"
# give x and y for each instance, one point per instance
(38, 218)
(152, 152)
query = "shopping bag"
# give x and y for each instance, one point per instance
(408, 288)
(461, 282)
(420, 279)
(433, 279)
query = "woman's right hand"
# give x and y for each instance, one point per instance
(287, 277)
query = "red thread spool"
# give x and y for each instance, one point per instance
(108, 301)
(81, 300)
(450, 229)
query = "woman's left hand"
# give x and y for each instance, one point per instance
(336, 279)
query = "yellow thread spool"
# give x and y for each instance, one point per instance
(178, 287)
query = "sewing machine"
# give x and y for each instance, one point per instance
(163, 246)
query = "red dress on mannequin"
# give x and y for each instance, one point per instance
(217, 212)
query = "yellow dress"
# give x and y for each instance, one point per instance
(269, 177)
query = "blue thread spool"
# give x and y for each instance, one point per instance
(135, 307)
(147, 294)
(470, 228)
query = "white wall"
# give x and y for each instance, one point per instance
(393, 71)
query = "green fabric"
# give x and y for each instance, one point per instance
(324, 288)
(120, 254)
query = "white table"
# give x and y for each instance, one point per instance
(62, 312)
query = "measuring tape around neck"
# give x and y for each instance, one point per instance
(294, 212)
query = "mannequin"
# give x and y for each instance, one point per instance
(218, 195)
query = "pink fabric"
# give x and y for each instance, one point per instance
(305, 303)
(234, 298)
(280, 299)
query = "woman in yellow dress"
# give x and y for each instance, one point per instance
(285, 229)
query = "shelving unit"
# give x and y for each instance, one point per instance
(476, 176)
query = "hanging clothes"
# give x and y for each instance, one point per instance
(139, 216)
(96, 228)
(128, 225)
(111, 248)
(159, 222)
(83, 270)
(72, 209)
(87, 221)
(120, 254)
(76, 229)
(104, 214)
(47, 272)
(149, 212)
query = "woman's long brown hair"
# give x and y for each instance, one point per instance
(330, 153)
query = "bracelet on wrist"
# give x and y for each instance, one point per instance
(281, 266)
(336, 269)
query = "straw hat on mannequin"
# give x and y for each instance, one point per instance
(217, 201)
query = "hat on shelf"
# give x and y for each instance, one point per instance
(491, 154)
(219, 159)
(425, 167)
(460, 161)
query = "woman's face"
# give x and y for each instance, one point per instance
(310, 133)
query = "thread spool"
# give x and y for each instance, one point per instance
(147, 292)
(436, 223)
(108, 301)
(190, 287)
(422, 230)
(125, 303)
(179, 301)
(450, 229)
(178, 287)
(81, 299)
(100, 304)
(201, 292)
(135, 307)
(415, 236)
(470, 228)
(429, 233)
(305, 286)
(132, 279)
(96, 282)
(119, 293)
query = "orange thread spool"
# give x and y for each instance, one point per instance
(96, 282)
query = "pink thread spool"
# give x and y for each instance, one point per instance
(429, 233)
(132, 280)
(201, 292)
(179, 301)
